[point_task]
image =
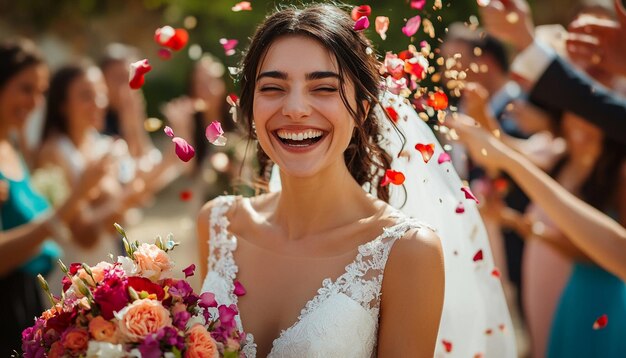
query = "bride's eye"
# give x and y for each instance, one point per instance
(270, 89)
(325, 89)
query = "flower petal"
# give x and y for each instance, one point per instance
(213, 131)
(184, 150)
(392, 177)
(361, 10)
(478, 256)
(460, 209)
(185, 195)
(418, 4)
(496, 272)
(136, 74)
(437, 101)
(362, 23)
(382, 25)
(447, 345)
(242, 6)
(469, 194)
(601, 322)
(168, 130)
(443, 158)
(392, 114)
(229, 46)
(239, 289)
(412, 25)
(427, 150)
(164, 54)
(189, 270)
(174, 39)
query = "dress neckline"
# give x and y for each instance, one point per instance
(327, 283)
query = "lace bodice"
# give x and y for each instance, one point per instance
(341, 320)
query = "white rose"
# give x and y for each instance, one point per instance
(104, 349)
(128, 265)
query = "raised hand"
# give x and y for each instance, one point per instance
(509, 21)
(475, 104)
(600, 42)
(179, 113)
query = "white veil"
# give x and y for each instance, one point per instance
(475, 321)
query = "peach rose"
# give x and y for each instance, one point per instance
(152, 261)
(96, 271)
(102, 330)
(142, 318)
(200, 344)
(75, 340)
(56, 350)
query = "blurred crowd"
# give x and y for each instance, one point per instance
(540, 134)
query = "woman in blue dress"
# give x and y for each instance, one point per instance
(26, 222)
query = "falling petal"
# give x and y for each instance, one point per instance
(488, 331)
(232, 99)
(184, 150)
(392, 114)
(392, 177)
(501, 327)
(136, 74)
(469, 194)
(382, 25)
(478, 256)
(189, 270)
(427, 150)
(163, 34)
(174, 39)
(438, 101)
(483, 3)
(601, 322)
(411, 26)
(164, 54)
(501, 185)
(359, 11)
(460, 209)
(443, 157)
(417, 66)
(447, 345)
(495, 273)
(215, 134)
(229, 46)
(418, 4)
(242, 6)
(239, 289)
(362, 23)
(185, 195)
(168, 131)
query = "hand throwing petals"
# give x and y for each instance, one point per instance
(137, 71)
(412, 25)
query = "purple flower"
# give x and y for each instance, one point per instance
(181, 319)
(171, 337)
(150, 347)
(189, 271)
(180, 289)
(239, 289)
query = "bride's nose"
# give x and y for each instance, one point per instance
(296, 105)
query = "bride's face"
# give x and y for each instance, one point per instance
(302, 123)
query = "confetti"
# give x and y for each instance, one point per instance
(412, 25)
(392, 177)
(136, 74)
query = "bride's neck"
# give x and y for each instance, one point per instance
(328, 200)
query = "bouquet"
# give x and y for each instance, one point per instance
(132, 307)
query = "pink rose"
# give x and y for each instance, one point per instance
(102, 330)
(200, 344)
(141, 318)
(75, 340)
(152, 261)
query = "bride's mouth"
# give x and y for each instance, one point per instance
(301, 139)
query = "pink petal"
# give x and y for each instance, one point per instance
(478, 256)
(214, 131)
(444, 157)
(418, 4)
(164, 54)
(382, 25)
(362, 23)
(184, 150)
(137, 71)
(168, 131)
(229, 46)
(242, 6)
(460, 209)
(412, 25)
(239, 289)
(469, 194)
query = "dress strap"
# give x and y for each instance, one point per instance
(221, 244)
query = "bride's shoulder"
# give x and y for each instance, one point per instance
(227, 205)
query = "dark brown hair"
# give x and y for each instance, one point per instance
(333, 28)
(15, 56)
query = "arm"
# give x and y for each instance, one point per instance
(412, 297)
(596, 234)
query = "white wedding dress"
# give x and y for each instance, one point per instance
(341, 320)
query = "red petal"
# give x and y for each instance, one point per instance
(185, 195)
(418, 4)
(392, 177)
(469, 194)
(438, 101)
(392, 114)
(601, 322)
(362, 10)
(137, 71)
(427, 150)
(478, 256)
(460, 209)
(501, 185)
(164, 54)
(496, 273)
(501, 327)
(488, 331)
(447, 345)
(184, 150)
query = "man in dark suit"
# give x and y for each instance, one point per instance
(551, 80)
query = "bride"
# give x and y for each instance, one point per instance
(311, 257)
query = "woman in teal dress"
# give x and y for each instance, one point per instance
(26, 222)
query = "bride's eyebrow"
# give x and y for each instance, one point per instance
(317, 75)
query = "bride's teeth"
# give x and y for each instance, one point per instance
(309, 134)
